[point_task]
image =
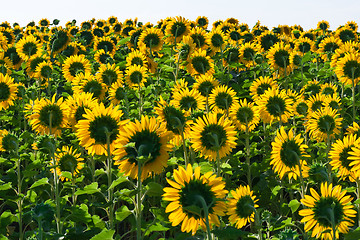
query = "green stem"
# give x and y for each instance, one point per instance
(57, 197)
(328, 146)
(40, 229)
(358, 196)
(138, 203)
(353, 95)
(248, 163)
(184, 147)
(218, 170)
(109, 175)
(20, 201)
(140, 103)
(206, 213)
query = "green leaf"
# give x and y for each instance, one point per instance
(2, 237)
(156, 228)
(122, 213)
(118, 181)
(357, 201)
(167, 68)
(276, 190)
(155, 189)
(123, 41)
(294, 205)
(66, 174)
(104, 235)
(6, 219)
(230, 233)
(80, 214)
(5, 186)
(354, 235)
(89, 189)
(40, 182)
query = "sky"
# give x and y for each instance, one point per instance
(306, 13)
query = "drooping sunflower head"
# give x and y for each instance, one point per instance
(189, 193)
(143, 144)
(324, 123)
(216, 39)
(198, 35)
(67, 160)
(260, 85)
(59, 40)
(105, 43)
(248, 52)
(245, 115)
(99, 129)
(311, 88)
(102, 57)
(222, 98)
(323, 25)
(117, 92)
(176, 29)
(274, 105)
(279, 57)
(136, 57)
(241, 206)
(348, 69)
(44, 70)
(8, 91)
(328, 211)
(109, 74)
(213, 137)
(77, 104)
(75, 65)
(354, 128)
(48, 116)
(341, 160)
(205, 84)
(267, 39)
(8, 141)
(328, 46)
(200, 63)
(28, 46)
(304, 45)
(151, 39)
(202, 22)
(329, 89)
(188, 100)
(288, 155)
(346, 33)
(315, 102)
(88, 83)
(136, 76)
(185, 48)
(232, 55)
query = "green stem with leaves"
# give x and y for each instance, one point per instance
(109, 176)
(138, 203)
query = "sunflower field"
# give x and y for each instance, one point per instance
(179, 130)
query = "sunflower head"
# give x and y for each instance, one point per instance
(189, 194)
(67, 160)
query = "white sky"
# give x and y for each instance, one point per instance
(306, 13)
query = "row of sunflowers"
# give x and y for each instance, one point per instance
(179, 130)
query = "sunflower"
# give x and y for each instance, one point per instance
(67, 160)
(202, 22)
(188, 100)
(260, 85)
(136, 76)
(73, 48)
(28, 46)
(324, 123)
(348, 69)
(248, 52)
(234, 36)
(330, 210)
(213, 137)
(347, 47)
(333, 101)
(59, 40)
(134, 38)
(6, 65)
(9, 34)
(116, 92)
(198, 36)
(241, 206)
(44, 70)
(3, 134)
(216, 39)
(315, 102)
(300, 107)
(77, 104)
(323, 25)
(99, 129)
(346, 33)
(14, 57)
(180, 84)
(151, 39)
(48, 116)
(288, 155)
(126, 29)
(340, 157)
(88, 83)
(232, 56)
(328, 46)
(354, 128)
(274, 105)
(86, 37)
(304, 45)
(311, 88)
(109, 74)
(188, 194)
(266, 40)
(205, 84)
(150, 146)
(199, 63)
(175, 119)
(329, 89)
(102, 57)
(176, 29)
(185, 48)
(279, 57)
(222, 98)
(8, 91)
(75, 65)
(136, 57)
(245, 115)
(105, 43)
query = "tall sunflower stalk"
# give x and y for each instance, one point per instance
(110, 197)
